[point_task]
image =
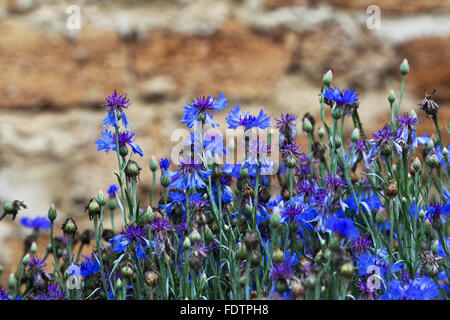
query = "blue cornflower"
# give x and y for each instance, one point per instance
(176, 199)
(135, 235)
(164, 164)
(112, 190)
(421, 288)
(440, 156)
(423, 139)
(107, 141)
(383, 138)
(367, 262)
(4, 295)
(89, 266)
(343, 227)
(190, 175)
(438, 211)
(36, 223)
(297, 210)
(372, 202)
(116, 103)
(246, 120)
(340, 97)
(203, 105)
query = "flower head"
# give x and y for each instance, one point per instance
(421, 288)
(107, 141)
(236, 119)
(203, 106)
(190, 175)
(164, 164)
(343, 227)
(116, 104)
(133, 234)
(112, 190)
(36, 223)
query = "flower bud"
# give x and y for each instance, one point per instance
(209, 236)
(52, 213)
(380, 218)
(321, 132)
(432, 160)
(255, 258)
(347, 270)
(33, 248)
(12, 282)
(392, 189)
(275, 219)
(132, 169)
(149, 214)
(355, 135)
(281, 286)
(434, 246)
(153, 164)
(186, 243)
(307, 126)
(337, 112)
(416, 165)
(327, 78)
(242, 252)
(278, 255)
(112, 204)
(127, 272)
(93, 208)
(337, 141)
(119, 284)
(101, 199)
(430, 145)
(195, 236)
(291, 162)
(404, 67)
(69, 227)
(392, 96)
(8, 207)
(387, 150)
(422, 214)
(123, 151)
(152, 278)
(26, 259)
(164, 180)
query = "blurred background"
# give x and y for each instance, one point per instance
(268, 54)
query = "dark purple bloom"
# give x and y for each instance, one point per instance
(160, 227)
(116, 104)
(36, 223)
(53, 292)
(287, 126)
(4, 295)
(290, 150)
(334, 183)
(203, 105)
(383, 138)
(361, 245)
(367, 292)
(235, 119)
(282, 270)
(107, 141)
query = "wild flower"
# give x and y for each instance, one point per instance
(116, 103)
(237, 119)
(202, 107)
(107, 141)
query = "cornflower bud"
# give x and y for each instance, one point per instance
(380, 217)
(422, 214)
(392, 96)
(432, 160)
(123, 151)
(321, 132)
(430, 145)
(186, 243)
(355, 135)
(416, 165)
(164, 180)
(101, 199)
(327, 78)
(404, 67)
(33, 248)
(153, 164)
(347, 270)
(119, 284)
(275, 219)
(195, 236)
(127, 272)
(12, 282)
(69, 228)
(132, 170)
(209, 236)
(278, 255)
(337, 141)
(52, 213)
(26, 259)
(93, 208)
(337, 112)
(112, 204)
(291, 162)
(307, 126)
(242, 252)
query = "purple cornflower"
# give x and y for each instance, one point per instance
(116, 103)
(37, 223)
(112, 190)
(361, 245)
(297, 210)
(203, 106)
(246, 120)
(436, 211)
(290, 150)
(306, 189)
(333, 183)
(36, 264)
(107, 141)
(190, 175)
(133, 234)
(367, 292)
(343, 227)
(198, 202)
(164, 164)
(382, 139)
(282, 270)
(407, 133)
(160, 227)
(4, 295)
(199, 250)
(53, 292)
(287, 127)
